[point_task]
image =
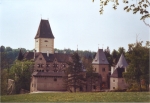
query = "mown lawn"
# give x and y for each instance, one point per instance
(80, 97)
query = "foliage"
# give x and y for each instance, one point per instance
(80, 97)
(4, 77)
(21, 73)
(138, 69)
(135, 7)
(74, 70)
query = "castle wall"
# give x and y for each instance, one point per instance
(50, 84)
(117, 83)
(103, 70)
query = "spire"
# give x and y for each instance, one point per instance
(44, 30)
(122, 63)
(20, 55)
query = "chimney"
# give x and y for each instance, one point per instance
(47, 54)
(64, 52)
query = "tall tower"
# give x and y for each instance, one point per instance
(44, 39)
(101, 66)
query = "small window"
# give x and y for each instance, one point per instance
(37, 41)
(113, 80)
(95, 69)
(46, 41)
(113, 87)
(94, 87)
(38, 65)
(32, 85)
(40, 58)
(55, 79)
(46, 45)
(103, 69)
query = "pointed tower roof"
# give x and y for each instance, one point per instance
(122, 63)
(20, 55)
(44, 30)
(119, 69)
(100, 58)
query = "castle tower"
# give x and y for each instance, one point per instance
(101, 66)
(44, 39)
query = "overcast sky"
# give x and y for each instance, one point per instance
(73, 22)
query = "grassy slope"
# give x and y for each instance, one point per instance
(80, 97)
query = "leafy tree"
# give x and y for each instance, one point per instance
(21, 73)
(92, 77)
(8, 49)
(140, 6)
(2, 49)
(138, 69)
(4, 77)
(74, 72)
(109, 57)
(115, 57)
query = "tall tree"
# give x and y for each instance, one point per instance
(74, 72)
(138, 68)
(21, 73)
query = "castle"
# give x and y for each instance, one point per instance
(49, 67)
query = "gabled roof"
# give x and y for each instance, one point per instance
(44, 30)
(20, 55)
(100, 58)
(60, 57)
(120, 67)
(122, 63)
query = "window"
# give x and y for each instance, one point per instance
(113, 80)
(94, 87)
(38, 65)
(46, 41)
(113, 87)
(103, 69)
(55, 79)
(40, 58)
(95, 69)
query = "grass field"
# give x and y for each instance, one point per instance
(80, 97)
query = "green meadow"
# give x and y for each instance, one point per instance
(79, 97)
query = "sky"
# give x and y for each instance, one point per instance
(73, 22)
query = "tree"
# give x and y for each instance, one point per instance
(8, 49)
(115, 57)
(74, 72)
(140, 6)
(92, 77)
(138, 69)
(109, 57)
(21, 73)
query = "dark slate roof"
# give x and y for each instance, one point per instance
(30, 55)
(44, 30)
(20, 55)
(120, 67)
(48, 74)
(60, 57)
(100, 58)
(122, 63)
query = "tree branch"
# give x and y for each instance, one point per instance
(146, 23)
